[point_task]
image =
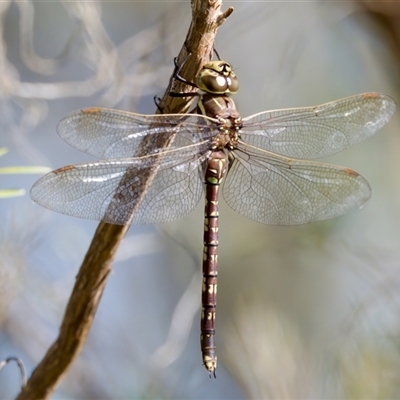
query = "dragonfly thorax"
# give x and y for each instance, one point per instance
(216, 106)
(222, 108)
(225, 140)
(217, 77)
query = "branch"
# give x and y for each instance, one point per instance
(92, 276)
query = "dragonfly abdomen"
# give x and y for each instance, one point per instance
(216, 169)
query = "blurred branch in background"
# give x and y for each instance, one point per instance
(115, 71)
(5, 193)
(279, 366)
(389, 12)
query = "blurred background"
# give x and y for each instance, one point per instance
(303, 312)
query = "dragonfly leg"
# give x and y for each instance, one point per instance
(178, 68)
(157, 101)
(216, 53)
(176, 75)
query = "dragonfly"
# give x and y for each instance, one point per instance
(260, 163)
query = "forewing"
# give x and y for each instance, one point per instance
(109, 134)
(275, 190)
(320, 131)
(111, 190)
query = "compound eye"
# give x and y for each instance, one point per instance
(215, 84)
(233, 83)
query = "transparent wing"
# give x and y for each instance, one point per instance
(320, 131)
(109, 134)
(111, 190)
(275, 190)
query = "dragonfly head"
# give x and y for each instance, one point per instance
(217, 77)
